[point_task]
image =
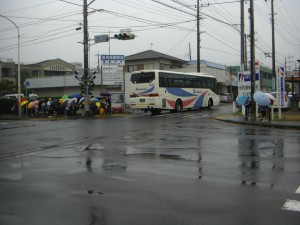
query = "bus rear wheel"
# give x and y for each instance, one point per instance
(178, 105)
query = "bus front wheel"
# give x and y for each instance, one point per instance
(210, 104)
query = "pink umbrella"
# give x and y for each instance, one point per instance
(270, 96)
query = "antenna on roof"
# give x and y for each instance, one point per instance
(151, 45)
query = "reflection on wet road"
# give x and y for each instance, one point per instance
(175, 168)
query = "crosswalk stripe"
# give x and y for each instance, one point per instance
(298, 190)
(292, 205)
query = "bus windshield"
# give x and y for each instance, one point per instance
(139, 78)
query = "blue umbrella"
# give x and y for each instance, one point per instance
(76, 96)
(261, 99)
(241, 99)
(95, 99)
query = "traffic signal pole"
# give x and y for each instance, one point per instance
(198, 36)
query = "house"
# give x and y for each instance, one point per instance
(150, 59)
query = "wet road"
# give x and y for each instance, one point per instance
(181, 168)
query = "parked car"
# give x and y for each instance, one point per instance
(13, 96)
(287, 103)
(33, 96)
(226, 97)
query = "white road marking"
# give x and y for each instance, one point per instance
(123, 179)
(298, 190)
(292, 205)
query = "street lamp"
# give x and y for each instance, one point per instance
(19, 82)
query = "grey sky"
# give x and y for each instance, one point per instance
(47, 29)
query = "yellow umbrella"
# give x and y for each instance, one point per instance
(30, 105)
(23, 103)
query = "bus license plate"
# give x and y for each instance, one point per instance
(142, 100)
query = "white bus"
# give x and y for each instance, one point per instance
(157, 90)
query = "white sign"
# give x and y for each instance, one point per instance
(281, 85)
(127, 30)
(244, 84)
(112, 75)
(112, 60)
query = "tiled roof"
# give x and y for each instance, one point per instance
(150, 54)
(208, 64)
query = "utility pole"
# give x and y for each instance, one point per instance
(190, 52)
(86, 58)
(245, 59)
(242, 38)
(198, 37)
(252, 59)
(273, 48)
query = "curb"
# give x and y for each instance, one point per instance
(258, 124)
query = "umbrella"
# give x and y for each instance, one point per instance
(262, 99)
(81, 100)
(76, 96)
(241, 99)
(32, 99)
(95, 99)
(23, 103)
(270, 96)
(105, 94)
(64, 97)
(30, 105)
(41, 102)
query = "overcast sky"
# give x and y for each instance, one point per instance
(48, 29)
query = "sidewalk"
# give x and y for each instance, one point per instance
(290, 120)
(59, 117)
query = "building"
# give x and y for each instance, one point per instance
(48, 68)
(149, 60)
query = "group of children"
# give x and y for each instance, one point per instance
(68, 107)
(264, 110)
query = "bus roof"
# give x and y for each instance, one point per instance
(175, 72)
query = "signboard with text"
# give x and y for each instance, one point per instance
(244, 83)
(112, 60)
(112, 75)
(281, 85)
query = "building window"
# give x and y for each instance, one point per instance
(167, 67)
(132, 68)
(149, 66)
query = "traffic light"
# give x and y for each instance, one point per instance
(124, 36)
(90, 83)
(82, 88)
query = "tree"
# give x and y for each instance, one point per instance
(7, 87)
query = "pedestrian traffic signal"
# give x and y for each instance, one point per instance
(124, 36)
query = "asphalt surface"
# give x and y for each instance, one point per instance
(170, 169)
(285, 123)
